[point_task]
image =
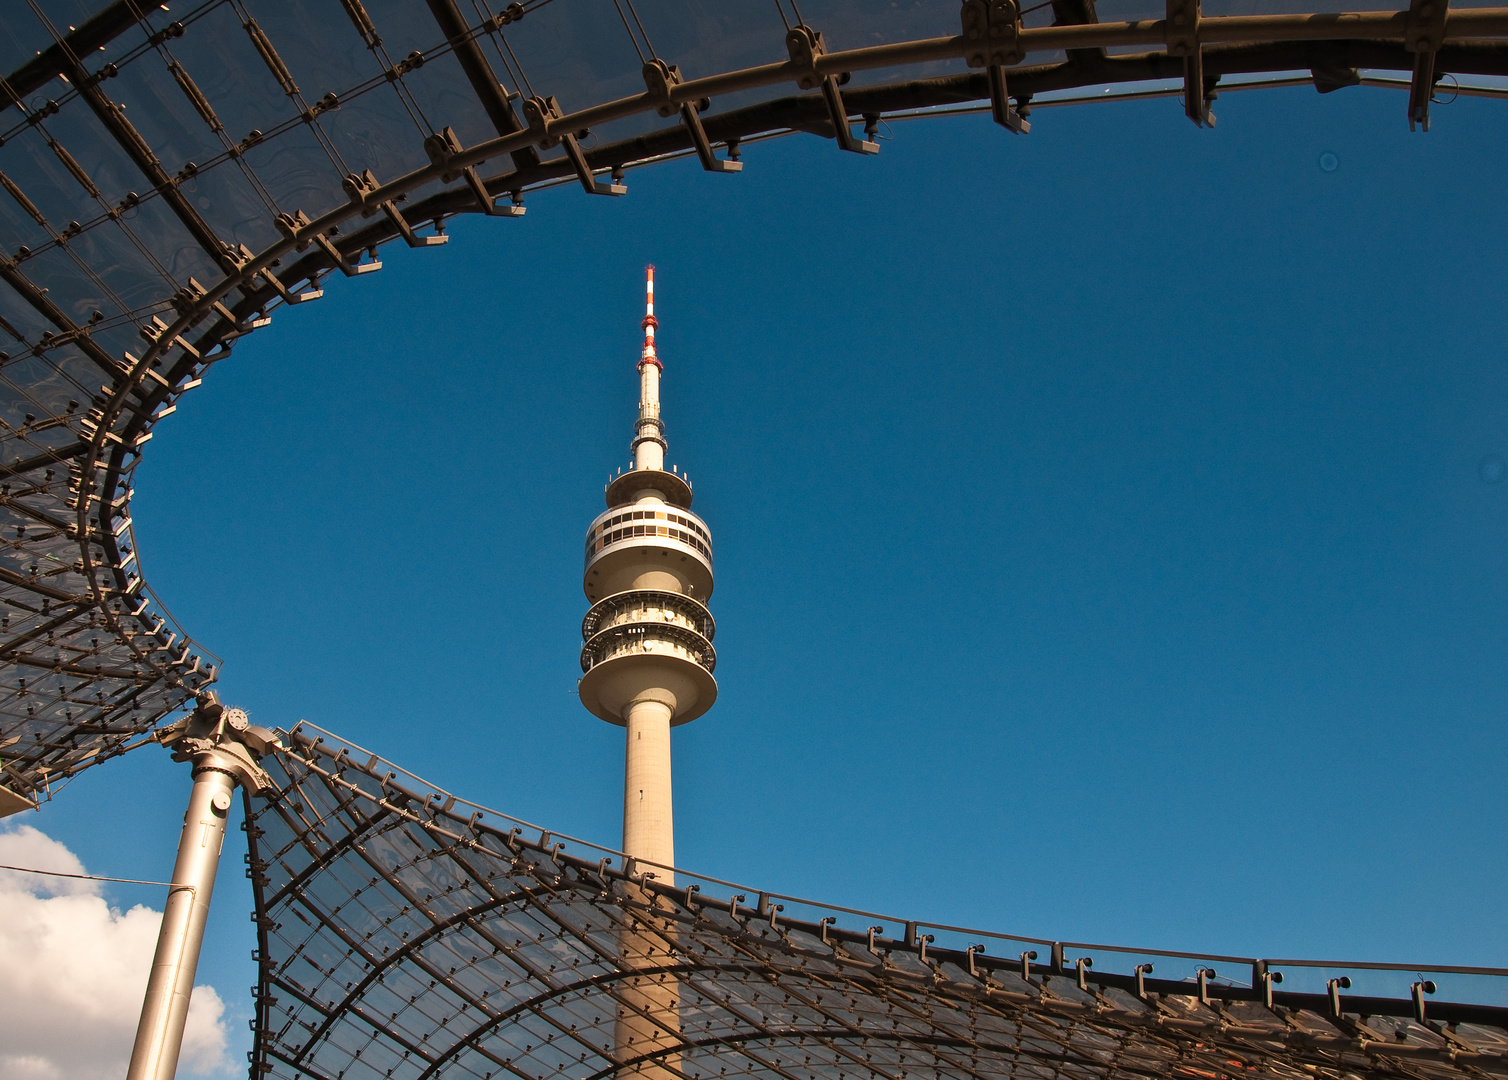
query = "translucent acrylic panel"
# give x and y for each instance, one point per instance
(117, 337)
(163, 114)
(17, 226)
(578, 52)
(446, 98)
(82, 134)
(131, 279)
(375, 130)
(706, 38)
(405, 27)
(24, 320)
(232, 205)
(64, 15)
(44, 385)
(174, 251)
(73, 374)
(29, 383)
(854, 24)
(320, 46)
(64, 273)
(217, 52)
(22, 36)
(31, 163)
(294, 167)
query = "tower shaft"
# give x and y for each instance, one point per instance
(648, 831)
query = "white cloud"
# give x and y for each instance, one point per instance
(74, 971)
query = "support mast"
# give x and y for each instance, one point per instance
(223, 747)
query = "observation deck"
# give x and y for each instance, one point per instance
(669, 485)
(622, 541)
(666, 630)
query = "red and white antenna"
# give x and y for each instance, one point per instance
(650, 322)
(649, 431)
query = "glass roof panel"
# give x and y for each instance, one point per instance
(401, 932)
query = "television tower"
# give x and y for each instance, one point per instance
(647, 665)
(648, 658)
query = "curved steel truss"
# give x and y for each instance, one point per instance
(405, 934)
(171, 178)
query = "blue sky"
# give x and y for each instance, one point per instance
(1108, 542)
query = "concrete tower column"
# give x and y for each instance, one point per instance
(648, 831)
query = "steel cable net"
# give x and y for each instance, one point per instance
(405, 934)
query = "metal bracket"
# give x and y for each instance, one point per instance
(359, 190)
(13, 803)
(659, 77)
(1333, 987)
(1417, 991)
(1267, 979)
(1205, 975)
(541, 113)
(406, 230)
(288, 295)
(804, 46)
(343, 264)
(294, 227)
(1183, 40)
(256, 322)
(214, 737)
(1424, 33)
(992, 36)
(442, 148)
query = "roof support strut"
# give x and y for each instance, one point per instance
(1425, 35)
(804, 45)
(993, 30)
(1183, 40)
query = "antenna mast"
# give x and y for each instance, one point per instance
(649, 432)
